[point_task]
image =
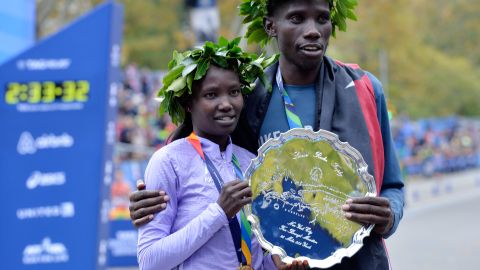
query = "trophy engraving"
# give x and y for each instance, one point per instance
(299, 183)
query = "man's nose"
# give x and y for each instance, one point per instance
(312, 30)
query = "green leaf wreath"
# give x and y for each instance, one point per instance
(254, 11)
(192, 65)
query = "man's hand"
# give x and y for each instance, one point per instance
(234, 196)
(370, 210)
(295, 265)
(145, 203)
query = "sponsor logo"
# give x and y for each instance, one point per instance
(27, 108)
(29, 145)
(45, 253)
(115, 55)
(44, 64)
(107, 179)
(124, 243)
(39, 179)
(104, 211)
(102, 252)
(112, 100)
(63, 210)
(110, 133)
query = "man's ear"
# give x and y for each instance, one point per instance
(269, 26)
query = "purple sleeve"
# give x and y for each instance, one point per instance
(158, 248)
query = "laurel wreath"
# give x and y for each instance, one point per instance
(255, 10)
(186, 67)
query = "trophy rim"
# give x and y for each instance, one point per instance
(362, 172)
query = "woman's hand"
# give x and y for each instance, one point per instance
(295, 265)
(234, 196)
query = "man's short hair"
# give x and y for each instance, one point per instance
(273, 5)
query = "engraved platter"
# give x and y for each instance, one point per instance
(299, 182)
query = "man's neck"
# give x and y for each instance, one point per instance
(295, 75)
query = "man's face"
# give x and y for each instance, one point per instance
(302, 29)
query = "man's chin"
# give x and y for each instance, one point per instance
(310, 64)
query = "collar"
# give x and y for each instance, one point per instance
(213, 150)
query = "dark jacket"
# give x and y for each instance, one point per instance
(373, 255)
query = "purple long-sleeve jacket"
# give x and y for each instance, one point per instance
(192, 232)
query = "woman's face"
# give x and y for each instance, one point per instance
(216, 104)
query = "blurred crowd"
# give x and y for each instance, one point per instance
(140, 129)
(439, 145)
(425, 147)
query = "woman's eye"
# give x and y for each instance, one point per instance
(235, 92)
(296, 19)
(209, 95)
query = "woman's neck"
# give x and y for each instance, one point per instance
(221, 140)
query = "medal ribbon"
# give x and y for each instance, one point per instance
(239, 231)
(293, 119)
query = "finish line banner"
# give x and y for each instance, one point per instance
(57, 112)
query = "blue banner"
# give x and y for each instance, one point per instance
(122, 243)
(17, 27)
(57, 109)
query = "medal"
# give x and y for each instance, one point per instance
(245, 267)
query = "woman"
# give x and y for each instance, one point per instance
(201, 168)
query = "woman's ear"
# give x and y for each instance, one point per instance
(269, 26)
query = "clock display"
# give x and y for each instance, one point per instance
(47, 92)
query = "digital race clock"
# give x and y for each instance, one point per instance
(47, 92)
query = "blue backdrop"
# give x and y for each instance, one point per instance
(17, 27)
(57, 113)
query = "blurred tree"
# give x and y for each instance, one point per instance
(423, 79)
(424, 51)
(52, 15)
(451, 26)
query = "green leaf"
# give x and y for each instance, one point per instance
(245, 7)
(220, 61)
(222, 42)
(188, 69)
(342, 25)
(202, 69)
(173, 74)
(221, 53)
(258, 35)
(181, 91)
(351, 15)
(178, 57)
(269, 61)
(254, 26)
(258, 62)
(234, 42)
(188, 61)
(178, 84)
(189, 83)
(350, 3)
(341, 8)
(171, 64)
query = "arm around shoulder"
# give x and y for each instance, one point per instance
(160, 245)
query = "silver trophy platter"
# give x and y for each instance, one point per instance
(299, 182)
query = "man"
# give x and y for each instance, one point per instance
(329, 95)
